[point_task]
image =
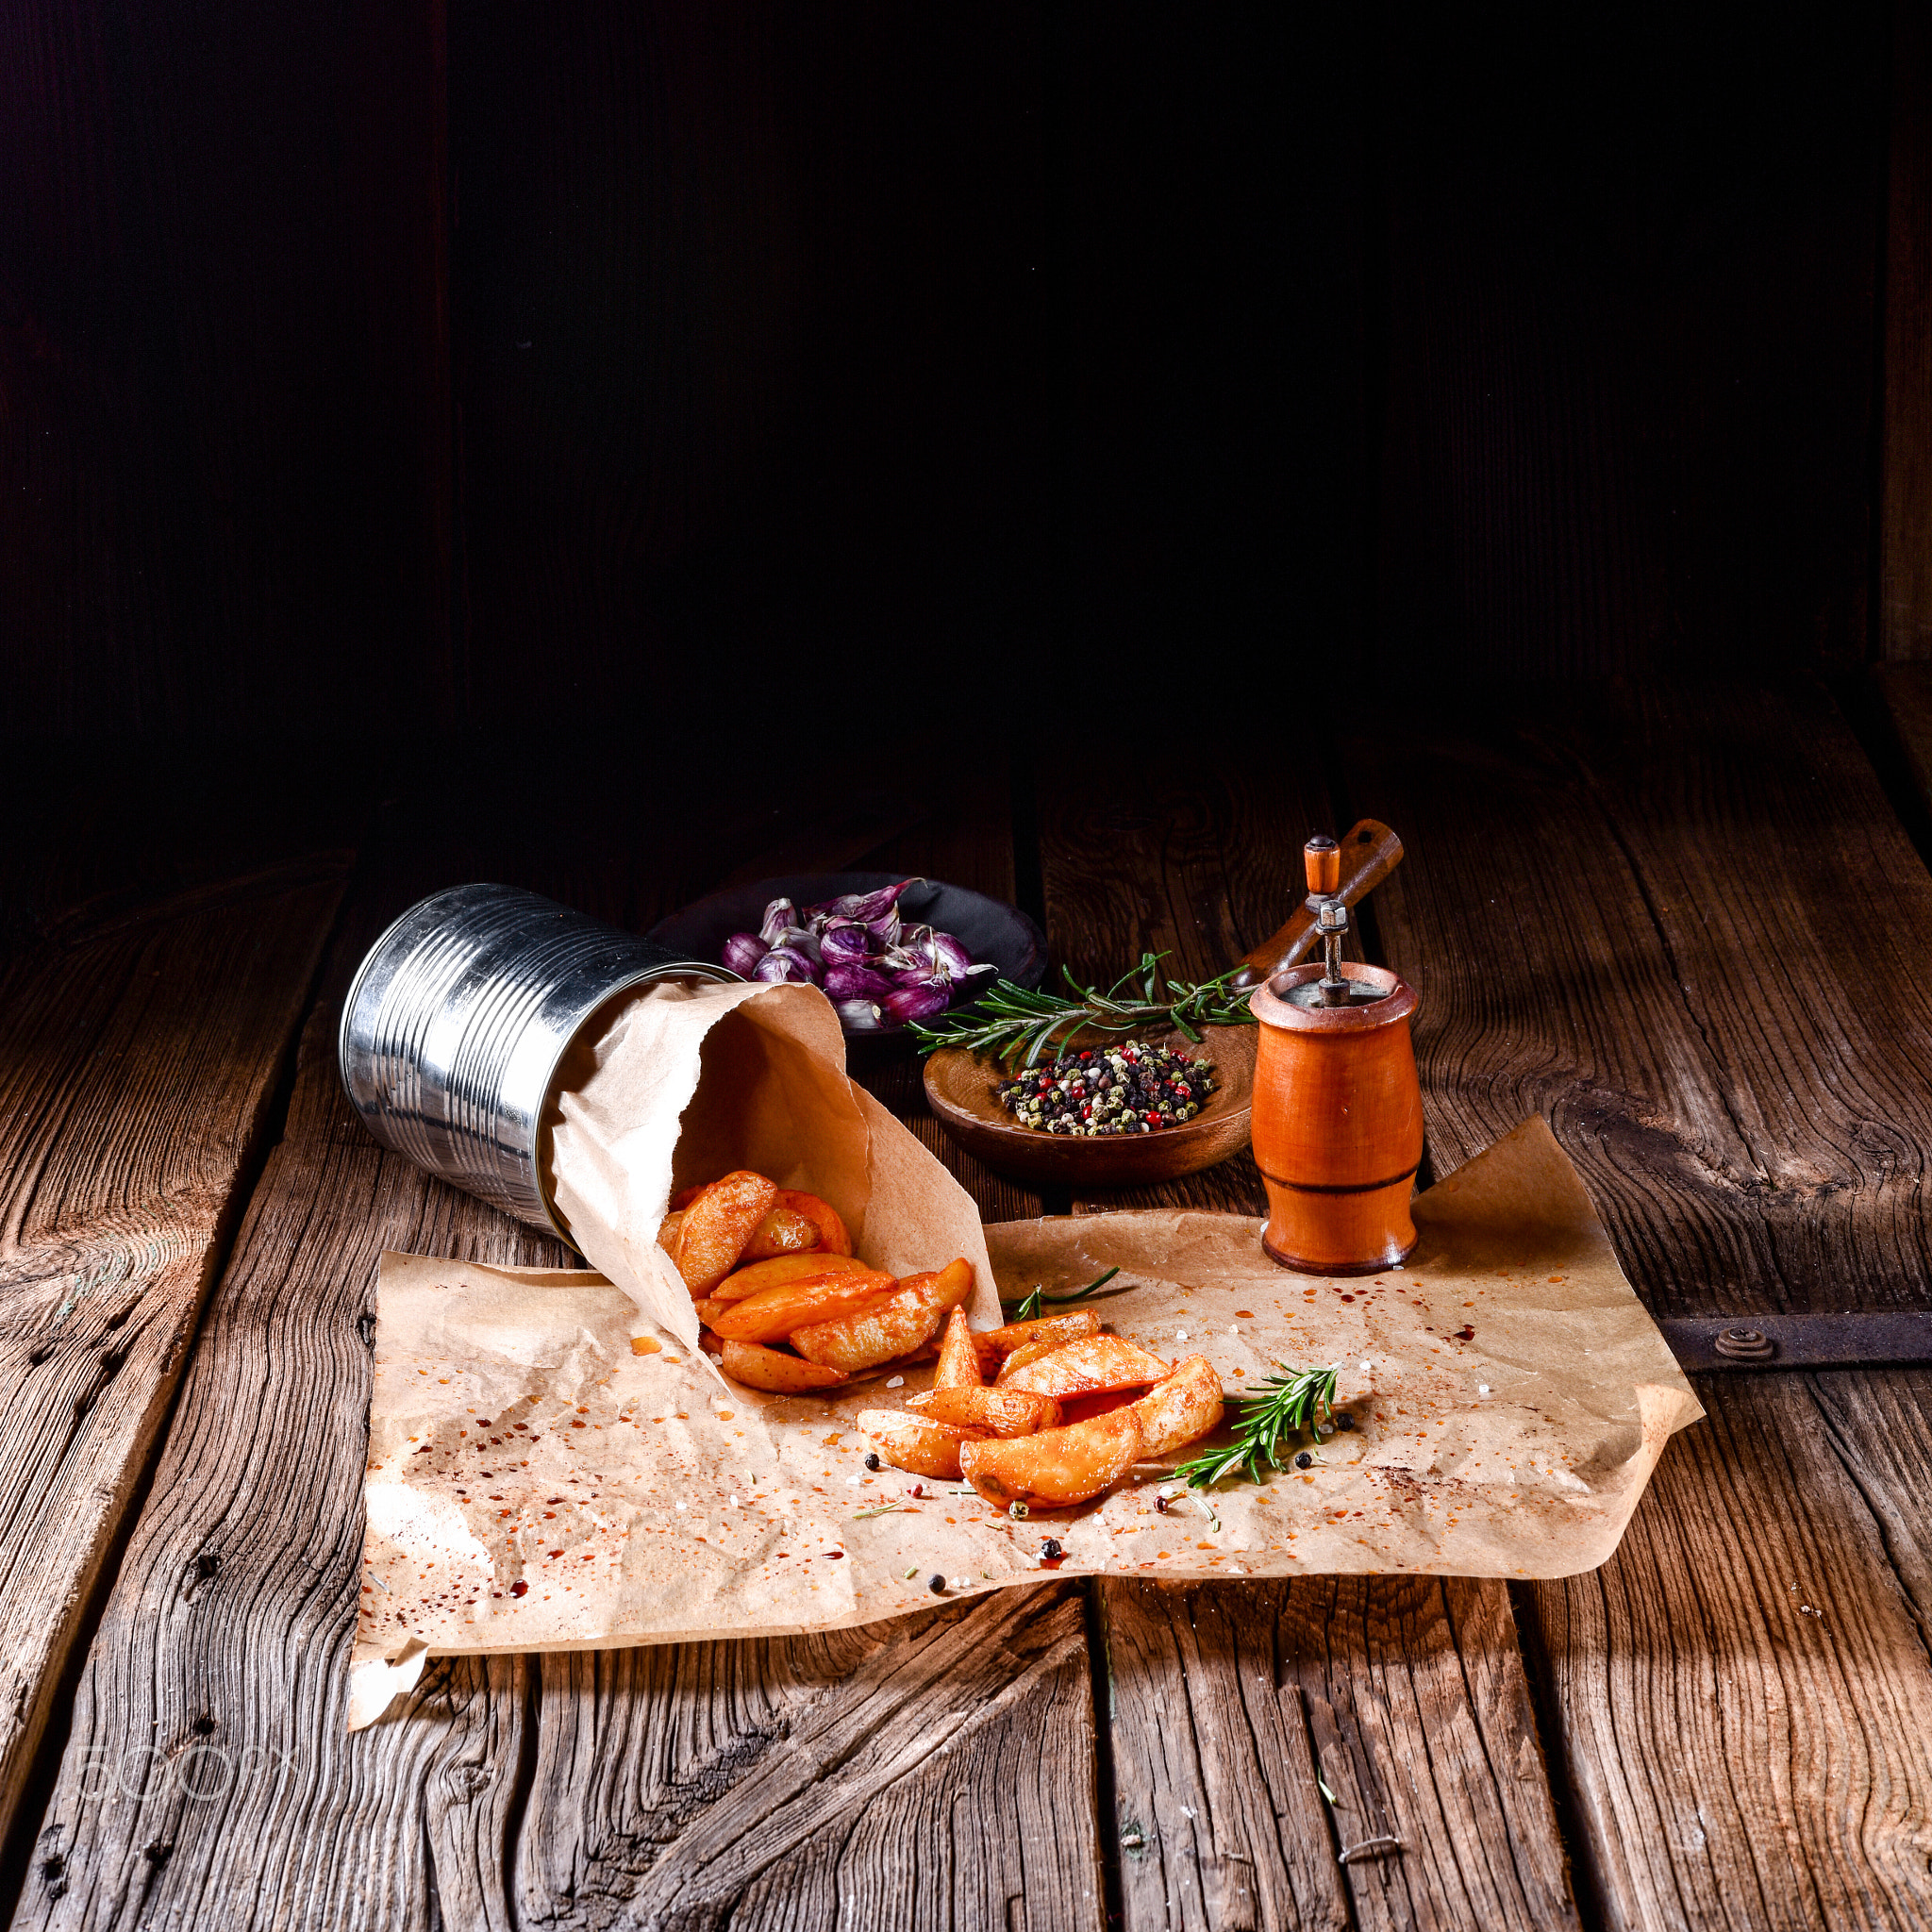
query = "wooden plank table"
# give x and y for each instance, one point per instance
(1685, 930)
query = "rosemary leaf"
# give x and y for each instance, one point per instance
(1016, 1021)
(1291, 1402)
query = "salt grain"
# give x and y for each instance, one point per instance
(896, 1382)
(1180, 1334)
(852, 1482)
(1482, 1388)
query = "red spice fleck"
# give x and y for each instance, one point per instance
(518, 1588)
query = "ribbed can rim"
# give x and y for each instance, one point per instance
(450, 1059)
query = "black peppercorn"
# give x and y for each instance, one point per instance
(1344, 1421)
(937, 1585)
(1304, 1461)
(872, 1460)
(1050, 1548)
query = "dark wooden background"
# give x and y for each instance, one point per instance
(367, 372)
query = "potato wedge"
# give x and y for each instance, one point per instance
(914, 1444)
(773, 1313)
(832, 1236)
(1027, 1351)
(683, 1198)
(1058, 1466)
(1089, 1367)
(755, 1277)
(1080, 1409)
(709, 1310)
(781, 1232)
(895, 1325)
(780, 1375)
(999, 1411)
(718, 1225)
(993, 1346)
(959, 1359)
(1180, 1410)
(667, 1235)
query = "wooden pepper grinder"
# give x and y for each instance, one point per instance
(1338, 1111)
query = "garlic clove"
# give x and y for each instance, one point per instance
(857, 983)
(784, 966)
(779, 914)
(742, 952)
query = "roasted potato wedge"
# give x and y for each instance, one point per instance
(1181, 1409)
(755, 1277)
(915, 1444)
(1027, 1351)
(667, 1235)
(1080, 1409)
(959, 1359)
(999, 1411)
(709, 1310)
(718, 1225)
(683, 1198)
(1058, 1466)
(832, 1236)
(1091, 1366)
(773, 1313)
(895, 1325)
(995, 1345)
(781, 1232)
(780, 1375)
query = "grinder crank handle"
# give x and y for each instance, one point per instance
(1369, 854)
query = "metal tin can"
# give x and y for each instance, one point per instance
(457, 1018)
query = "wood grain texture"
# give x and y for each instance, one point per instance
(1904, 690)
(1629, 342)
(1707, 971)
(222, 345)
(206, 1772)
(934, 1771)
(1745, 1689)
(1407, 1698)
(136, 1073)
(1905, 488)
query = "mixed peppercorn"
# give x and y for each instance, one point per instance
(1114, 1089)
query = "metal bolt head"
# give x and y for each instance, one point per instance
(1745, 1345)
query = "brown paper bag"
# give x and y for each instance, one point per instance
(672, 1088)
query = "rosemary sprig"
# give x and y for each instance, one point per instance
(1027, 1308)
(1008, 1020)
(1293, 1401)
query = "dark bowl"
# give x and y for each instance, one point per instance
(987, 929)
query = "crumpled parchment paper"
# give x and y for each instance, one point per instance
(537, 1483)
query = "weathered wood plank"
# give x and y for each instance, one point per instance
(1408, 1698)
(1405, 1698)
(1691, 931)
(1744, 1688)
(1905, 495)
(923, 1772)
(511, 1792)
(206, 1759)
(135, 1074)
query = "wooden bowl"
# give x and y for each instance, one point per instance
(962, 1089)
